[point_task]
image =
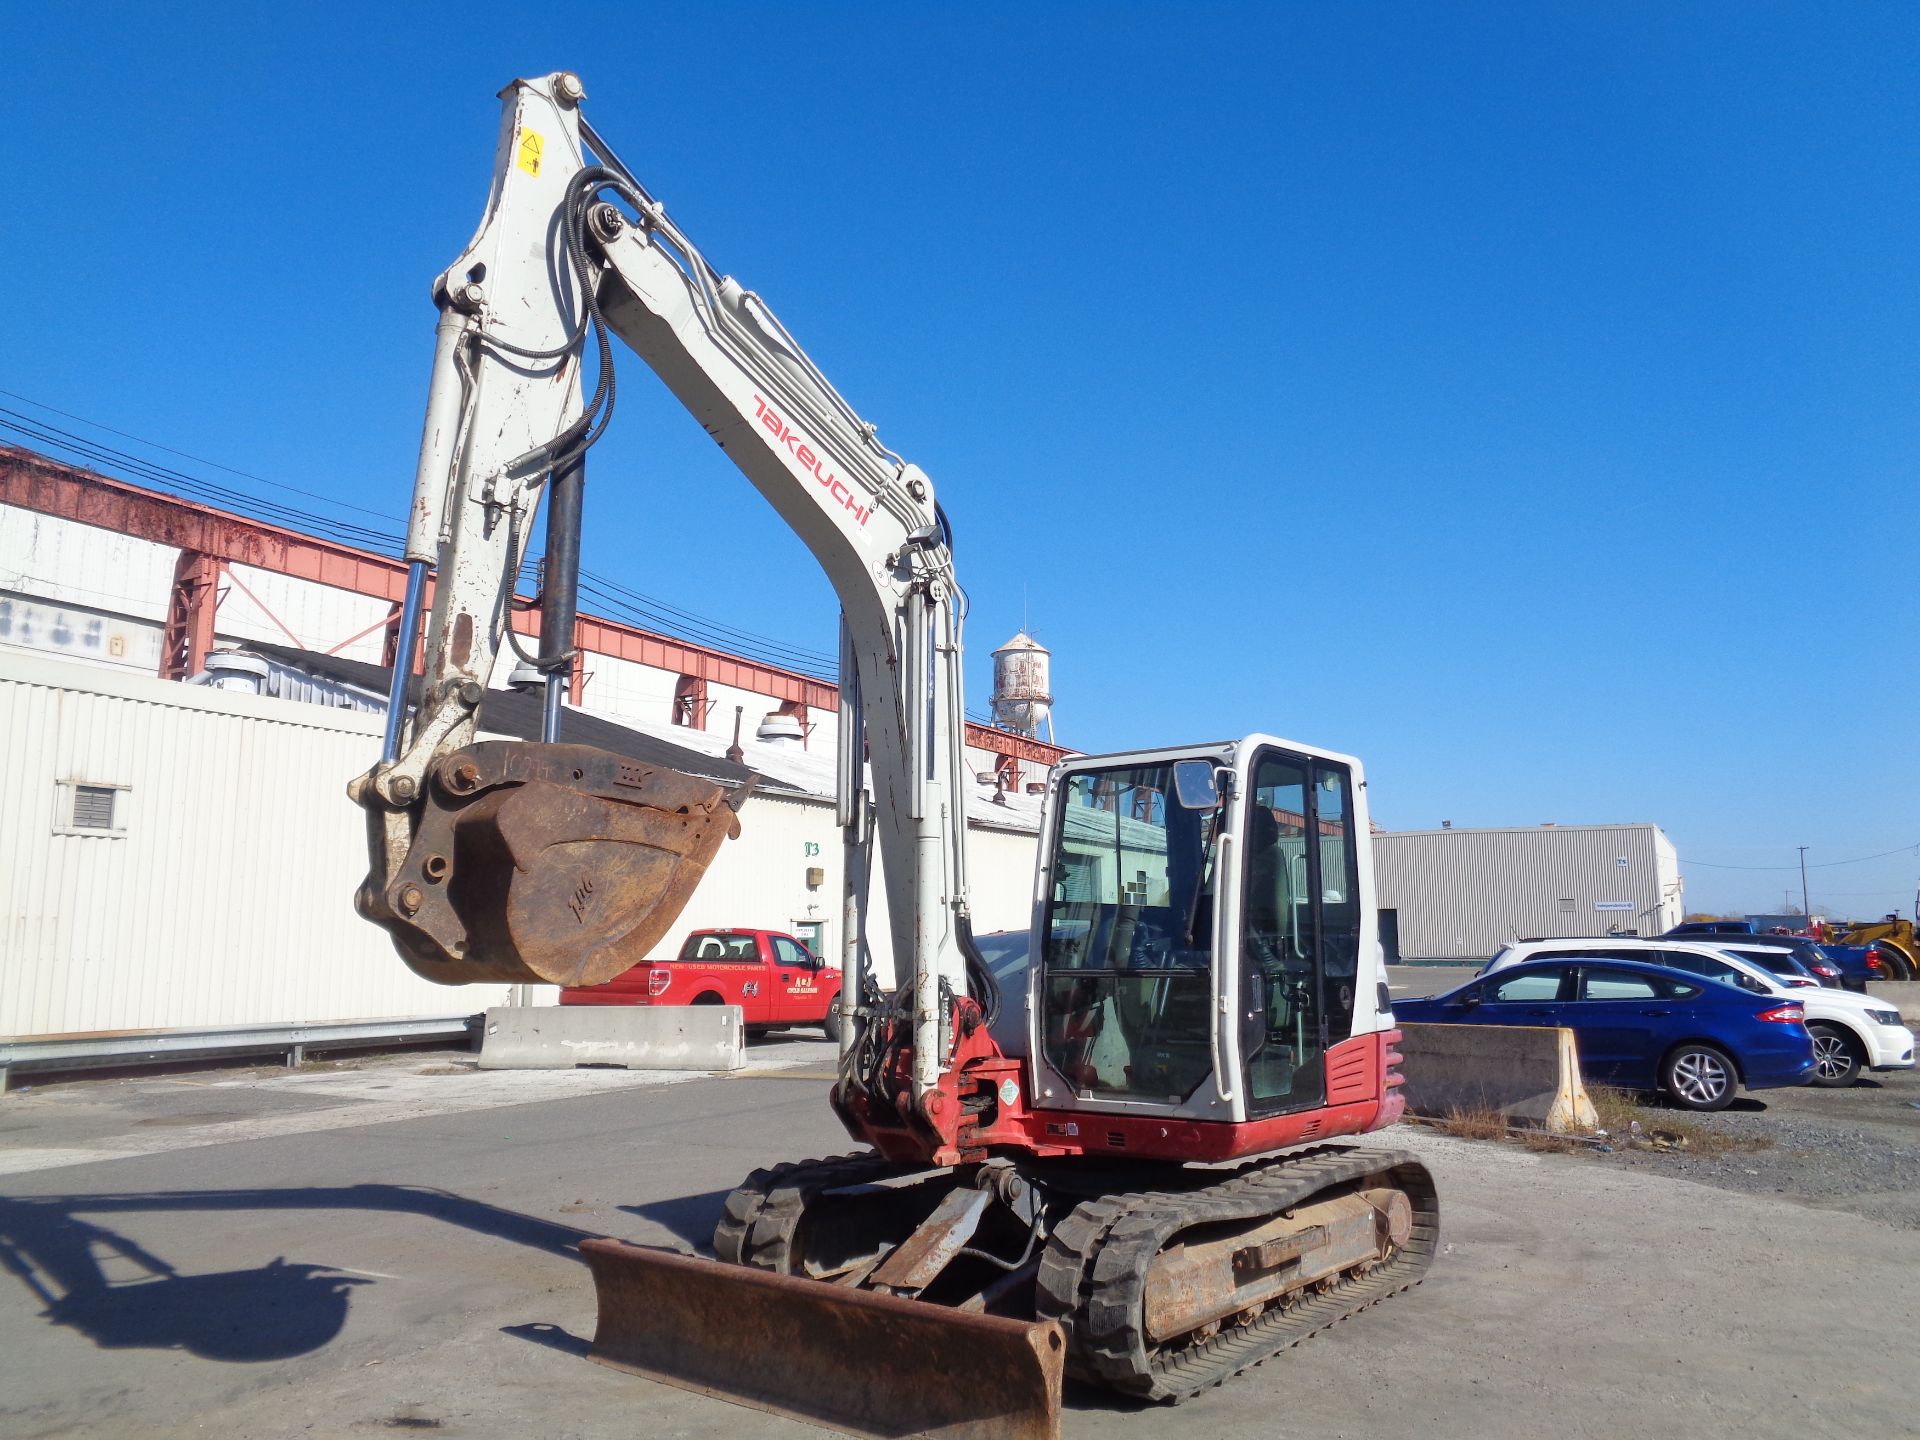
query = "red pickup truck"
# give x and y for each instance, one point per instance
(772, 977)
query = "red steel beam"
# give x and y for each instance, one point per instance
(188, 637)
(37, 482)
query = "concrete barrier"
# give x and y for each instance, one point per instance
(1903, 995)
(1525, 1072)
(628, 1037)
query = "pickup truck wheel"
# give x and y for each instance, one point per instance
(1698, 1077)
(830, 1026)
(707, 999)
(1836, 1056)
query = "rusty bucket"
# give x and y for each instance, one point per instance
(556, 864)
(865, 1363)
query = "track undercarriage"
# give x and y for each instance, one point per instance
(1161, 1291)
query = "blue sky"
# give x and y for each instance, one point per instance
(1520, 396)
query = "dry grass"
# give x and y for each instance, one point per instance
(1545, 1142)
(1474, 1124)
(1618, 1111)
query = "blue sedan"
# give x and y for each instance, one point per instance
(1642, 1027)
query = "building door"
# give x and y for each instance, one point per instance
(1390, 935)
(813, 935)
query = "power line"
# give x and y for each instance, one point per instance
(620, 601)
(197, 459)
(1822, 865)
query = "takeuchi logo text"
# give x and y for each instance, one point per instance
(807, 460)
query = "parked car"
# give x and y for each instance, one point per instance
(1644, 1027)
(1850, 1032)
(772, 977)
(1776, 954)
(1813, 957)
(1858, 964)
(1648, 950)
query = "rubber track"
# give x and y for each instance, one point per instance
(763, 1213)
(1094, 1272)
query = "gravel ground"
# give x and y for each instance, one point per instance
(1856, 1150)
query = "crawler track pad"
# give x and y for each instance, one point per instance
(864, 1363)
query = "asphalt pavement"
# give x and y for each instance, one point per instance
(388, 1248)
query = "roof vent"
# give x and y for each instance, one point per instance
(230, 670)
(781, 730)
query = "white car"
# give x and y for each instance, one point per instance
(1850, 1032)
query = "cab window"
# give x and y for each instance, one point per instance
(1534, 985)
(1300, 935)
(1599, 984)
(1126, 946)
(721, 949)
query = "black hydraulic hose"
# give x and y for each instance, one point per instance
(980, 982)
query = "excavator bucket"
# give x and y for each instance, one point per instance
(854, 1360)
(556, 864)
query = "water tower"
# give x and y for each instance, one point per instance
(1022, 687)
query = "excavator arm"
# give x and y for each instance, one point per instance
(550, 861)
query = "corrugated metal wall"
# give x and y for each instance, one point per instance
(1461, 894)
(228, 899)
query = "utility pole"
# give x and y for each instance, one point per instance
(1806, 910)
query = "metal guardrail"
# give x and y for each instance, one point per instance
(148, 1047)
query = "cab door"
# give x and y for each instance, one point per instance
(1299, 925)
(797, 996)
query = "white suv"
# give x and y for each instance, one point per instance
(1850, 1032)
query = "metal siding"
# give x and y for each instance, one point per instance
(228, 900)
(1461, 894)
(759, 880)
(64, 560)
(305, 613)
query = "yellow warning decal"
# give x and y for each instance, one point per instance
(531, 146)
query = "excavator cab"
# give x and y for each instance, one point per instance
(1199, 933)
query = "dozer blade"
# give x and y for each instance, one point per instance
(561, 864)
(857, 1361)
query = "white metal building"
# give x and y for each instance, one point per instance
(1462, 894)
(181, 856)
(218, 890)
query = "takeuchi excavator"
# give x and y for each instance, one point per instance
(1083, 1173)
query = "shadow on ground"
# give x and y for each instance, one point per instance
(686, 1217)
(273, 1312)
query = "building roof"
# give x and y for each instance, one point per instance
(784, 769)
(1517, 829)
(517, 714)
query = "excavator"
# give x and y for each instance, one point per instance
(1123, 1169)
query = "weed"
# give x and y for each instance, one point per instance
(1619, 1110)
(1475, 1124)
(1545, 1142)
